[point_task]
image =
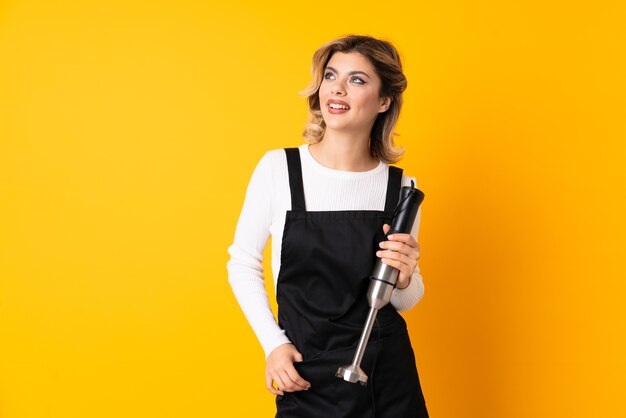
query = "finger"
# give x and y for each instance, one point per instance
(404, 268)
(404, 260)
(282, 387)
(270, 386)
(406, 238)
(290, 385)
(409, 259)
(297, 379)
(276, 390)
(398, 246)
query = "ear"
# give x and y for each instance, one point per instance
(385, 102)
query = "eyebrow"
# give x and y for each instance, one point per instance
(350, 73)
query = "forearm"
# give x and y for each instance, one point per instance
(249, 288)
(407, 298)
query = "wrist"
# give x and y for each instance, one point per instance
(407, 285)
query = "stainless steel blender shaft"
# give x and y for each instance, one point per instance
(383, 280)
(353, 372)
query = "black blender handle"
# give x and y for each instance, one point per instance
(406, 211)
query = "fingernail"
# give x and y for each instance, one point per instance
(379, 252)
(390, 236)
(380, 244)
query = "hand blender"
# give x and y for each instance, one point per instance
(383, 281)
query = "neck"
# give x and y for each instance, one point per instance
(344, 152)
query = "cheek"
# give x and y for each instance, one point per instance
(367, 103)
(323, 91)
(321, 96)
(365, 98)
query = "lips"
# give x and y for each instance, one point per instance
(337, 106)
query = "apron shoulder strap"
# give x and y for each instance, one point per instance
(296, 185)
(393, 190)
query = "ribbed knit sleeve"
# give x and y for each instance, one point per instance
(245, 271)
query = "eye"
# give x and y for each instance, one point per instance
(328, 75)
(357, 80)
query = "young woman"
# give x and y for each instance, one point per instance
(327, 205)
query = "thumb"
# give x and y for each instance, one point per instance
(297, 356)
(386, 228)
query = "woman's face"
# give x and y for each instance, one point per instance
(349, 93)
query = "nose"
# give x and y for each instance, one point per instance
(337, 89)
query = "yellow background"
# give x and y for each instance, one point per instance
(129, 130)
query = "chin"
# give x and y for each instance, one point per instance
(337, 126)
(333, 123)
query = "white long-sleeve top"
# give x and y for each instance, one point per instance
(267, 200)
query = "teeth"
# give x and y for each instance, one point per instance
(338, 106)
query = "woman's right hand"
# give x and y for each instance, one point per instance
(280, 370)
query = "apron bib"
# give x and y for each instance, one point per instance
(326, 261)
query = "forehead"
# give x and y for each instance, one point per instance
(351, 61)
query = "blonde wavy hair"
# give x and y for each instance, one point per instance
(386, 61)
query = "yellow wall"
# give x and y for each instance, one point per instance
(129, 130)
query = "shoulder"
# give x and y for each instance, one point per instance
(277, 160)
(271, 171)
(274, 157)
(273, 163)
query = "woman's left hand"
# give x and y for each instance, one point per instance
(402, 252)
